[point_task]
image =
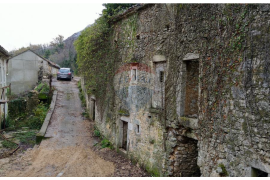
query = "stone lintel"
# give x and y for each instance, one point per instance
(159, 58)
(191, 56)
(123, 118)
(189, 122)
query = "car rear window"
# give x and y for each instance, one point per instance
(64, 70)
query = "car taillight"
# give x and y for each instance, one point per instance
(58, 73)
(69, 73)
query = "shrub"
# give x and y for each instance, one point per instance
(36, 121)
(8, 123)
(96, 133)
(106, 143)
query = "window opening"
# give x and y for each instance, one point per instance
(138, 129)
(192, 89)
(134, 74)
(161, 76)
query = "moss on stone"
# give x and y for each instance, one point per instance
(123, 112)
(224, 171)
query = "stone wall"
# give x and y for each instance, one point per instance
(212, 110)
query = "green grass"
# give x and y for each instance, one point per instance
(26, 137)
(9, 145)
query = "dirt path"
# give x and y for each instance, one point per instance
(68, 151)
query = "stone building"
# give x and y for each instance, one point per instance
(26, 69)
(191, 89)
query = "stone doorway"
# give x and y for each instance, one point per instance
(184, 158)
(124, 139)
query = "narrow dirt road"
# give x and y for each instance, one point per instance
(67, 151)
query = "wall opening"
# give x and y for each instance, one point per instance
(158, 98)
(184, 158)
(258, 173)
(138, 129)
(134, 74)
(161, 76)
(124, 139)
(192, 89)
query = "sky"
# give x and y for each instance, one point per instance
(38, 23)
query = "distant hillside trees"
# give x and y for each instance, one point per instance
(60, 51)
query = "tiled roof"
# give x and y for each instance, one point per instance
(3, 52)
(49, 62)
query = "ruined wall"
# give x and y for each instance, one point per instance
(211, 118)
(229, 42)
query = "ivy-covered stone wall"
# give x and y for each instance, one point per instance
(220, 51)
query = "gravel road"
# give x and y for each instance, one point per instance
(68, 150)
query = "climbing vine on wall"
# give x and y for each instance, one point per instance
(97, 55)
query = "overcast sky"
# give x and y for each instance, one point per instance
(38, 23)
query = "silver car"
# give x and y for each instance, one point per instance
(64, 73)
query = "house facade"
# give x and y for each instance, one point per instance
(191, 89)
(26, 69)
(3, 78)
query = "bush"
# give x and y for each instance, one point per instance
(16, 108)
(106, 143)
(36, 121)
(8, 123)
(82, 99)
(96, 132)
(43, 88)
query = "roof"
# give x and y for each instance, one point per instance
(3, 52)
(49, 62)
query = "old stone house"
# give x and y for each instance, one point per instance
(191, 89)
(26, 69)
(3, 78)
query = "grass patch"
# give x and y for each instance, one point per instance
(26, 137)
(9, 145)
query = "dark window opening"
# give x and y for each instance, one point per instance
(149, 117)
(192, 89)
(124, 141)
(138, 128)
(134, 74)
(168, 27)
(161, 76)
(258, 173)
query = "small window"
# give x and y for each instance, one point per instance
(134, 74)
(138, 129)
(161, 76)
